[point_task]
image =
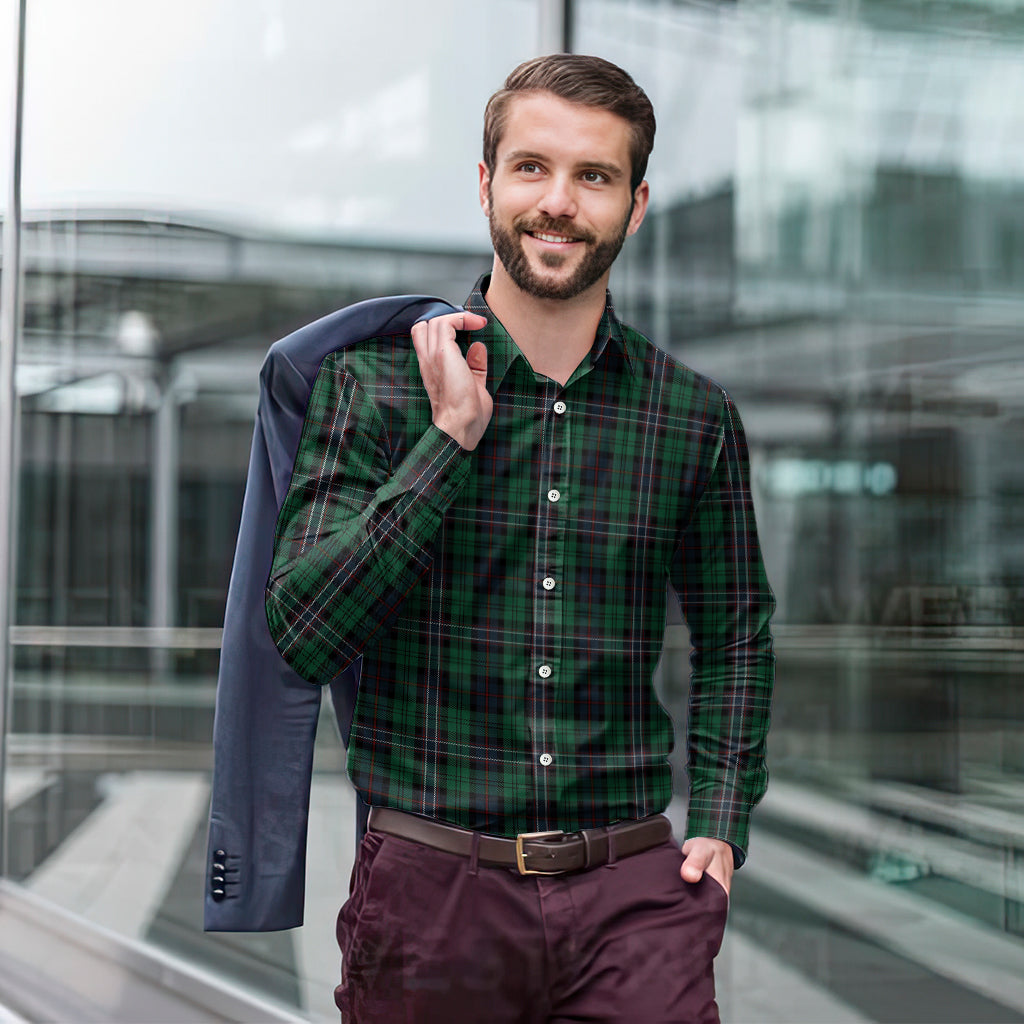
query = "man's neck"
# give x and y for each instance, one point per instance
(555, 335)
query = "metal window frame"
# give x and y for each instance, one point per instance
(555, 19)
(10, 326)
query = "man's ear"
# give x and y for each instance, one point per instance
(641, 197)
(485, 185)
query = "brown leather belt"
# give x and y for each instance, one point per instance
(530, 853)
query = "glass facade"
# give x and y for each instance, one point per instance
(836, 235)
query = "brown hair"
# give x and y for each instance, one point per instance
(577, 78)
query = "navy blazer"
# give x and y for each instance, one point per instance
(266, 714)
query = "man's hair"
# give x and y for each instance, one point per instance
(591, 81)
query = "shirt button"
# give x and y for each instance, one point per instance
(548, 583)
(559, 407)
(544, 671)
(553, 495)
(546, 759)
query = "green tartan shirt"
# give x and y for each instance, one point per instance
(509, 603)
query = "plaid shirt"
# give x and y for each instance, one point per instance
(509, 603)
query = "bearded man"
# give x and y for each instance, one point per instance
(488, 510)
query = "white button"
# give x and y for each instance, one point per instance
(549, 583)
(546, 759)
(544, 671)
(559, 407)
(553, 495)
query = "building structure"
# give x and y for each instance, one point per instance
(836, 236)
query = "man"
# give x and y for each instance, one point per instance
(487, 512)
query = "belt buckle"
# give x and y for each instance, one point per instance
(521, 855)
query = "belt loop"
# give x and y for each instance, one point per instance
(474, 854)
(586, 849)
(611, 847)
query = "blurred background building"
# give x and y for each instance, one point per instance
(836, 235)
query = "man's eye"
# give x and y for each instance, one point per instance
(593, 177)
(529, 168)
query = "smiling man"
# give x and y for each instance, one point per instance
(488, 511)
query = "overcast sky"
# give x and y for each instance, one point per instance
(337, 117)
(327, 116)
(363, 119)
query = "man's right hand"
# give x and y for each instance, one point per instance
(457, 386)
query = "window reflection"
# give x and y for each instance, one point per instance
(199, 180)
(854, 280)
(836, 236)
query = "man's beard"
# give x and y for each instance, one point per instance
(508, 247)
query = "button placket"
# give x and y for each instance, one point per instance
(547, 605)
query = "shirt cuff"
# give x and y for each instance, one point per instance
(710, 820)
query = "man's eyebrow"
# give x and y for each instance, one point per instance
(611, 170)
(522, 154)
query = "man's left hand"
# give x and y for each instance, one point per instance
(710, 855)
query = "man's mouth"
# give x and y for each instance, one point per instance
(545, 236)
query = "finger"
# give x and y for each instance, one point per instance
(441, 329)
(477, 357)
(472, 321)
(422, 346)
(691, 871)
(463, 320)
(695, 864)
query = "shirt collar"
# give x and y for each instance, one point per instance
(502, 351)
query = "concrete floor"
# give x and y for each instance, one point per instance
(811, 939)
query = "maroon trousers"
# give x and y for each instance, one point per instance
(432, 938)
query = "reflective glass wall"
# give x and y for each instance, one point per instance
(199, 180)
(835, 235)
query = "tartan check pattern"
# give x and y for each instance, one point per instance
(509, 603)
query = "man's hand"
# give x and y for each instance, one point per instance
(457, 386)
(710, 855)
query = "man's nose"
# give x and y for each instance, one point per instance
(559, 199)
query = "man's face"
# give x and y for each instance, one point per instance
(559, 202)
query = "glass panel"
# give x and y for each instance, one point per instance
(836, 236)
(201, 178)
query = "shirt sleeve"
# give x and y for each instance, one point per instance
(354, 532)
(724, 595)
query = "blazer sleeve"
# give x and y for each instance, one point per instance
(264, 728)
(266, 714)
